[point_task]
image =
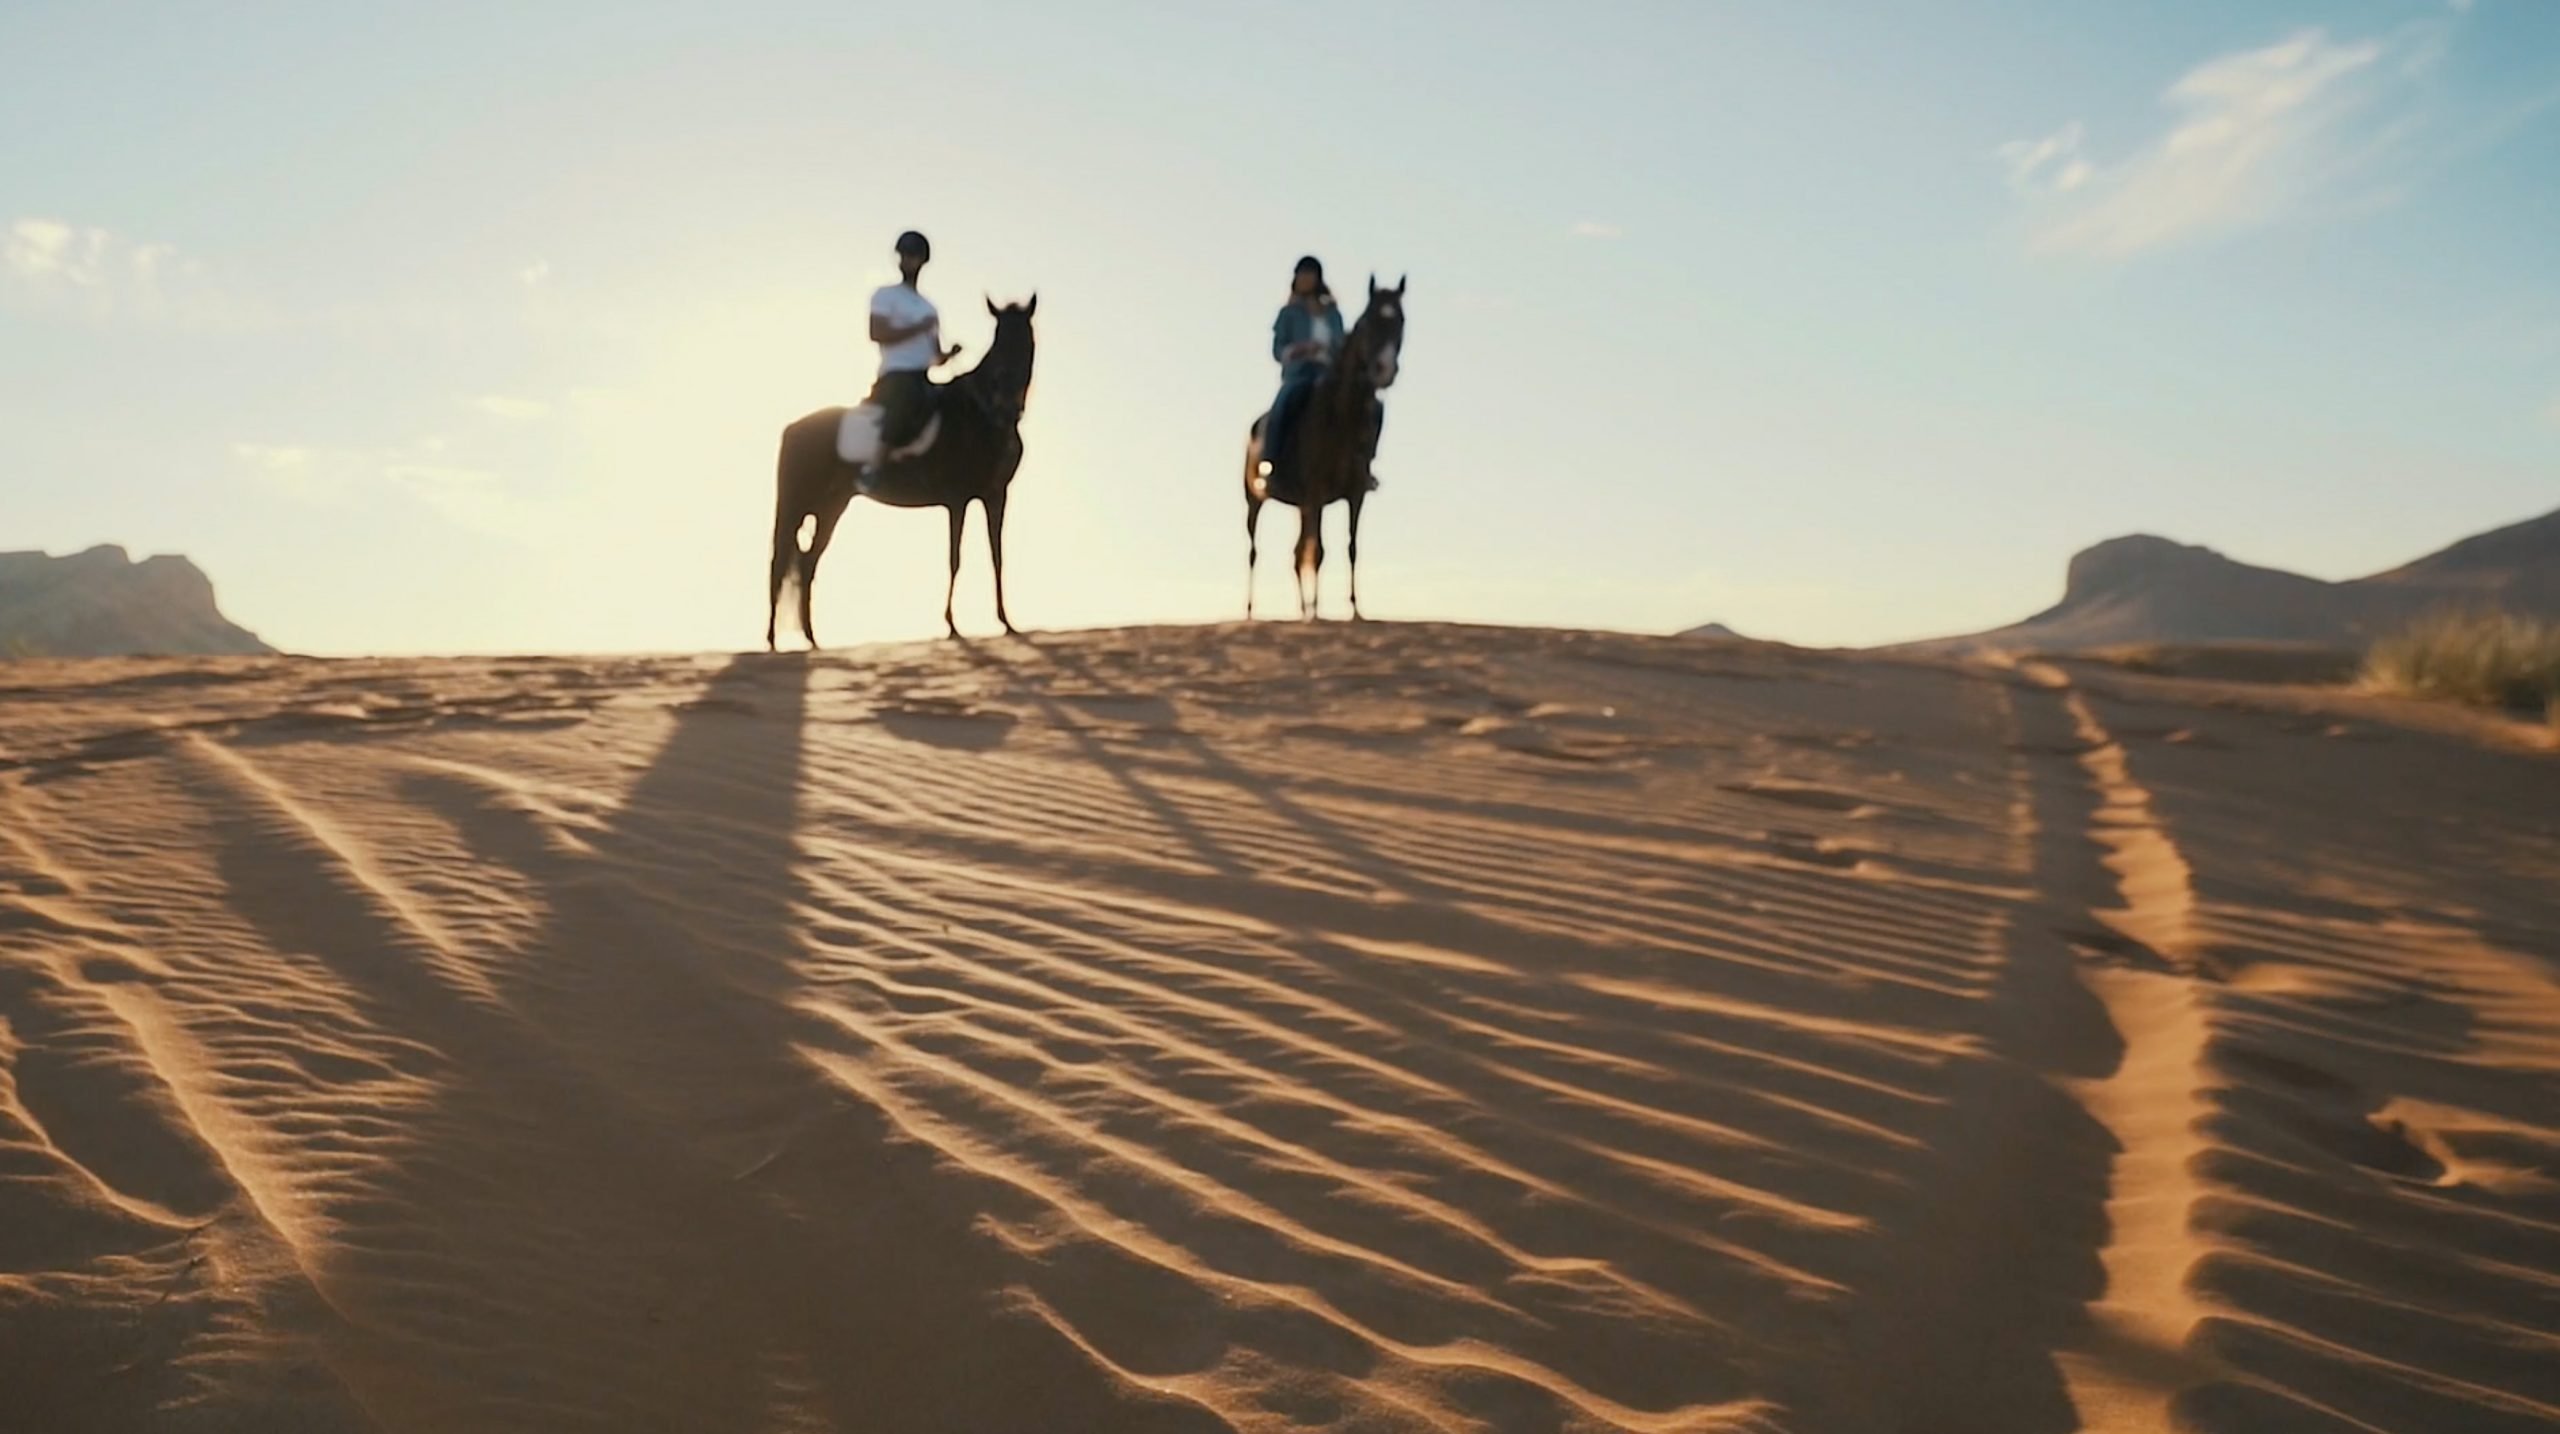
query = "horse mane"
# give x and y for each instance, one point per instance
(1349, 369)
(1004, 371)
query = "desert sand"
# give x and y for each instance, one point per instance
(1377, 1028)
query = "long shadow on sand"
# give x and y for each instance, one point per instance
(1545, 1073)
(1356, 854)
(628, 1199)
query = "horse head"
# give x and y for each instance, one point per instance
(1006, 369)
(1377, 340)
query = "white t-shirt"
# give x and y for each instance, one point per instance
(902, 307)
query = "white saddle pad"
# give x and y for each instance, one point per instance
(858, 436)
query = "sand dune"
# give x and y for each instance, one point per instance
(1379, 1028)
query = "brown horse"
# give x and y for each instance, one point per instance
(972, 461)
(1329, 460)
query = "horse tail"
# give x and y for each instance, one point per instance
(788, 508)
(782, 489)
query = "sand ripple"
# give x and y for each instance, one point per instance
(1380, 1028)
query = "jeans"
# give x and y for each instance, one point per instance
(1276, 429)
(906, 403)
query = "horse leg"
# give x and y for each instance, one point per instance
(1252, 548)
(1358, 492)
(995, 552)
(827, 520)
(959, 523)
(1315, 568)
(1254, 495)
(1310, 561)
(787, 513)
(786, 549)
(1298, 563)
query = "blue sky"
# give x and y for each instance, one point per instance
(470, 327)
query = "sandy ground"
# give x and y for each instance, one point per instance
(1382, 1028)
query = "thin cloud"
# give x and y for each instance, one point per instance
(2028, 159)
(499, 405)
(1595, 229)
(471, 497)
(53, 261)
(2257, 134)
(50, 251)
(272, 457)
(290, 469)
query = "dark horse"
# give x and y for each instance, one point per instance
(972, 461)
(1328, 460)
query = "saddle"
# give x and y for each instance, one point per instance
(1284, 481)
(858, 437)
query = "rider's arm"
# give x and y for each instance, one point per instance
(883, 331)
(1285, 337)
(885, 328)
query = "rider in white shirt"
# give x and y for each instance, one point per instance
(908, 330)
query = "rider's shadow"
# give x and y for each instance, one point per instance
(707, 1183)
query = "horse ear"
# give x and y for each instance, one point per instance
(1400, 278)
(1032, 305)
(1373, 286)
(992, 311)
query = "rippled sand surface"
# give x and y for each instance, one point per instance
(1378, 1028)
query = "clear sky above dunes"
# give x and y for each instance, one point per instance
(470, 327)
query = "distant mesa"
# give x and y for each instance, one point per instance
(102, 603)
(2516, 567)
(1713, 629)
(2150, 590)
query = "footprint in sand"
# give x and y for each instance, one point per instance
(2339, 1117)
